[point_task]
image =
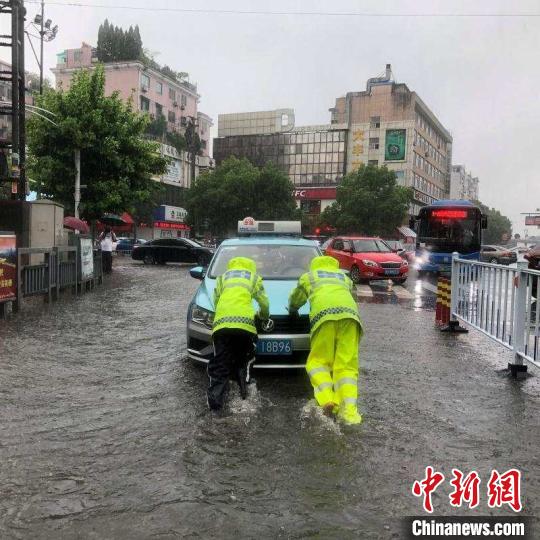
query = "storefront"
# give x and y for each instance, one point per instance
(169, 222)
(313, 201)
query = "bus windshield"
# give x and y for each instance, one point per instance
(449, 230)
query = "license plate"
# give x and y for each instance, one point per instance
(274, 346)
(391, 272)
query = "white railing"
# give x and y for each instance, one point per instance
(501, 302)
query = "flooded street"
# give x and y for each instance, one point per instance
(106, 433)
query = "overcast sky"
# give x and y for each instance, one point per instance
(479, 75)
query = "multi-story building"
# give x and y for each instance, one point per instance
(152, 91)
(390, 125)
(387, 124)
(462, 184)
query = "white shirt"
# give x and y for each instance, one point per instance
(107, 243)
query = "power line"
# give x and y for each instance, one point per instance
(208, 11)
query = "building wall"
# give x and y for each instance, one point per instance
(463, 185)
(253, 123)
(309, 157)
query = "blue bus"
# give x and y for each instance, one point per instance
(444, 227)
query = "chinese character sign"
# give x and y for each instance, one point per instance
(8, 267)
(501, 489)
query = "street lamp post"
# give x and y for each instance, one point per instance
(46, 33)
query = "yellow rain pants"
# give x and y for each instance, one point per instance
(332, 366)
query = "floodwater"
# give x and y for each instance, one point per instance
(106, 434)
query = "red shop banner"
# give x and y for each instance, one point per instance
(324, 194)
(8, 267)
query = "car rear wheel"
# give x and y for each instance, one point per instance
(355, 274)
(493, 260)
(149, 259)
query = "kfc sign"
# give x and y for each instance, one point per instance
(315, 193)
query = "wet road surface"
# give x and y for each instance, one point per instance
(105, 431)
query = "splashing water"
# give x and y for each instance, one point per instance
(313, 415)
(250, 405)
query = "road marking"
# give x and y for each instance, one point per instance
(429, 287)
(364, 290)
(402, 292)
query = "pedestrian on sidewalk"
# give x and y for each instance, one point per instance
(336, 330)
(234, 333)
(106, 239)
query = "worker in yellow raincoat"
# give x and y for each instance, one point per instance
(336, 330)
(234, 333)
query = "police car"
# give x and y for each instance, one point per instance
(281, 256)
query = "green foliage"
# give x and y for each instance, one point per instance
(115, 44)
(177, 140)
(117, 162)
(498, 225)
(368, 201)
(236, 189)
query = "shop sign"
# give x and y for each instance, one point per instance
(394, 146)
(171, 225)
(8, 267)
(87, 258)
(317, 193)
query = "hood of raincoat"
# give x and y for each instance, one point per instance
(324, 262)
(242, 263)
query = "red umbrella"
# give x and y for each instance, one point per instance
(76, 224)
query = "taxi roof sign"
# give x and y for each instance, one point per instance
(250, 226)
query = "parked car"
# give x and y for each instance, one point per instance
(405, 251)
(172, 250)
(280, 260)
(368, 259)
(497, 254)
(125, 245)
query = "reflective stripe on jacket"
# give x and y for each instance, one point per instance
(329, 291)
(233, 296)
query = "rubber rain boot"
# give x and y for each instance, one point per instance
(349, 415)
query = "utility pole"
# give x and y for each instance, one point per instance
(77, 182)
(192, 145)
(41, 35)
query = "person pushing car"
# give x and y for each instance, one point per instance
(336, 330)
(233, 332)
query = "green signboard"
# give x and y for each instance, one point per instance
(394, 147)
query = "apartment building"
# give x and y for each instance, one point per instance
(152, 91)
(463, 185)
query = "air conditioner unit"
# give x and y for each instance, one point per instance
(144, 88)
(175, 104)
(182, 107)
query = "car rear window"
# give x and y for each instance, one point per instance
(274, 261)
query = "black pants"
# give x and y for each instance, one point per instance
(233, 349)
(107, 261)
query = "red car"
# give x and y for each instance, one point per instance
(367, 259)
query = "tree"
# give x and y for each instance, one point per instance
(368, 201)
(236, 189)
(498, 225)
(117, 162)
(115, 44)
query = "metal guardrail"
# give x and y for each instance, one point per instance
(58, 269)
(501, 302)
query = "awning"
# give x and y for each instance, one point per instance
(405, 231)
(128, 220)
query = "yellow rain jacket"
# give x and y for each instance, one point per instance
(233, 296)
(329, 291)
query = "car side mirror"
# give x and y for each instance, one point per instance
(198, 272)
(400, 251)
(484, 222)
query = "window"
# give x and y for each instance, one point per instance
(375, 122)
(159, 110)
(374, 143)
(183, 121)
(172, 94)
(183, 100)
(172, 117)
(145, 104)
(77, 55)
(159, 88)
(374, 162)
(145, 82)
(338, 244)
